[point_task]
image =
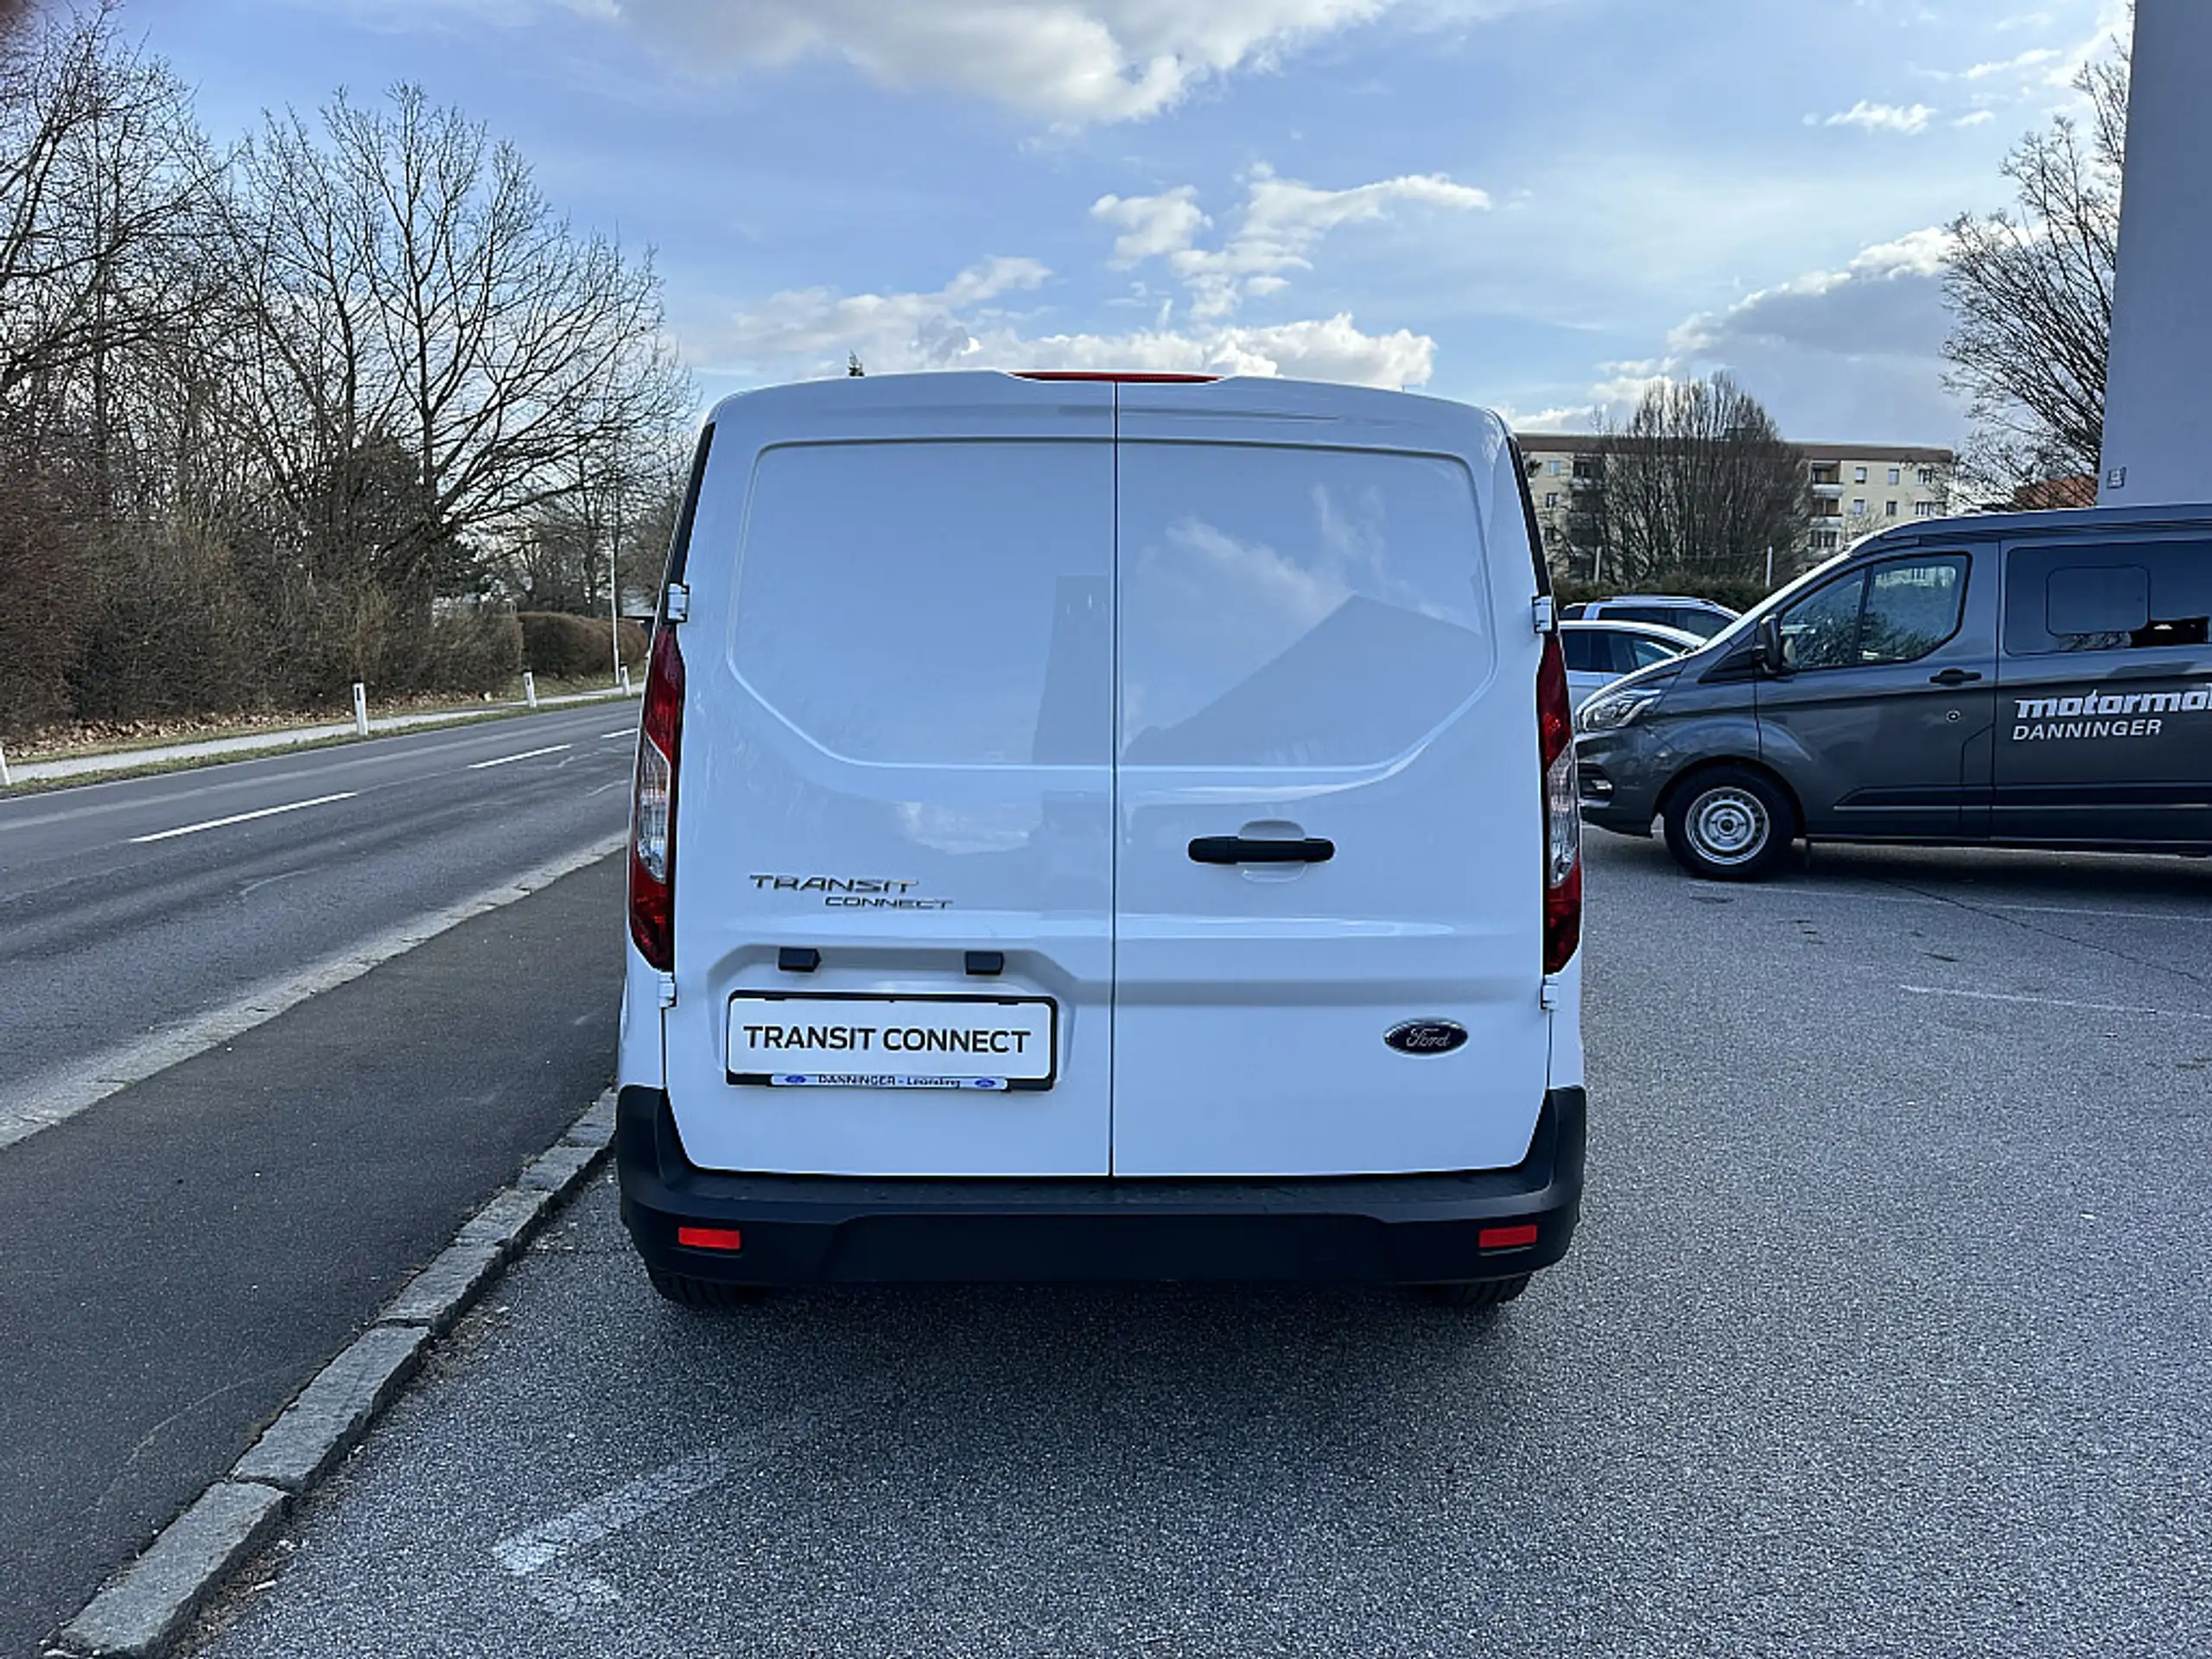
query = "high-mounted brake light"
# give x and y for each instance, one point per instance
(1562, 809)
(652, 811)
(1134, 378)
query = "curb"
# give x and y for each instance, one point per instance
(142, 1610)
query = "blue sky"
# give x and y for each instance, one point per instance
(1534, 205)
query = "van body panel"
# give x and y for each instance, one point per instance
(1875, 750)
(898, 750)
(1324, 632)
(2107, 736)
(638, 1059)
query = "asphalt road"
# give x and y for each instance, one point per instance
(183, 1254)
(107, 932)
(1887, 1334)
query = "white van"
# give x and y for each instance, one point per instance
(1102, 826)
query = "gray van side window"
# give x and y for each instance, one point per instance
(2131, 596)
(1896, 611)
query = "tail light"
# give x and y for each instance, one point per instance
(1562, 810)
(652, 808)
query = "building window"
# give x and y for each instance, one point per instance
(1928, 478)
(1551, 498)
(1827, 472)
(1895, 475)
(1889, 509)
(1824, 541)
(1586, 466)
(1859, 504)
(1827, 506)
(1859, 474)
(1923, 509)
(1554, 468)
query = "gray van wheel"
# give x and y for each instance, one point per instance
(705, 1294)
(1731, 824)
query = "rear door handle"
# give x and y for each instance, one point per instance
(1242, 849)
(1954, 676)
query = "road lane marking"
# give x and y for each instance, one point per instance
(2056, 1003)
(41, 1101)
(532, 1555)
(627, 731)
(539, 1547)
(527, 754)
(242, 818)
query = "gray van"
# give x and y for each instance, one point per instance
(2039, 679)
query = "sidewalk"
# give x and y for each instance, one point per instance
(218, 749)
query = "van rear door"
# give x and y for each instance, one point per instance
(1315, 648)
(897, 751)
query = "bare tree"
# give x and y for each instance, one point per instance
(416, 290)
(1699, 481)
(2031, 292)
(264, 418)
(103, 185)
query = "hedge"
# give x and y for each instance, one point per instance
(562, 646)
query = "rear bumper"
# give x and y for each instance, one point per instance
(798, 1229)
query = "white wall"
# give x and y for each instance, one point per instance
(2158, 444)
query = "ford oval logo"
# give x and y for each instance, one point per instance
(1426, 1036)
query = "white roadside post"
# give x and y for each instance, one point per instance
(614, 616)
(5, 780)
(530, 688)
(360, 709)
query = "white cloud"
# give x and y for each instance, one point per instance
(809, 331)
(1887, 301)
(1883, 118)
(814, 328)
(1277, 229)
(1561, 418)
(1851, 352)
(1152, 225)
(2034, 58)
(1069, 62)
(1978, 118)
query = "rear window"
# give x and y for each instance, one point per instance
(2131, 596)
(1285, 607)
(933, 603)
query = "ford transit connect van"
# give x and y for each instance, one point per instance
(1103, 827)
(2031, 679)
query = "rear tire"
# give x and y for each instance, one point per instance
(704, 1295)
(1478, 1293)
(1730, 823)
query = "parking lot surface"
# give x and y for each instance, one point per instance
(1887, 1334)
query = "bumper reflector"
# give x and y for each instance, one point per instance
(729, 1238)
(1519, 1236)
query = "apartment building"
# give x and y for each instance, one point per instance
(1857, 488)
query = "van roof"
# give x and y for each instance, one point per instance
(2082, 521)
(1272, 392)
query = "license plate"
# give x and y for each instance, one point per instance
(859, 1040)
